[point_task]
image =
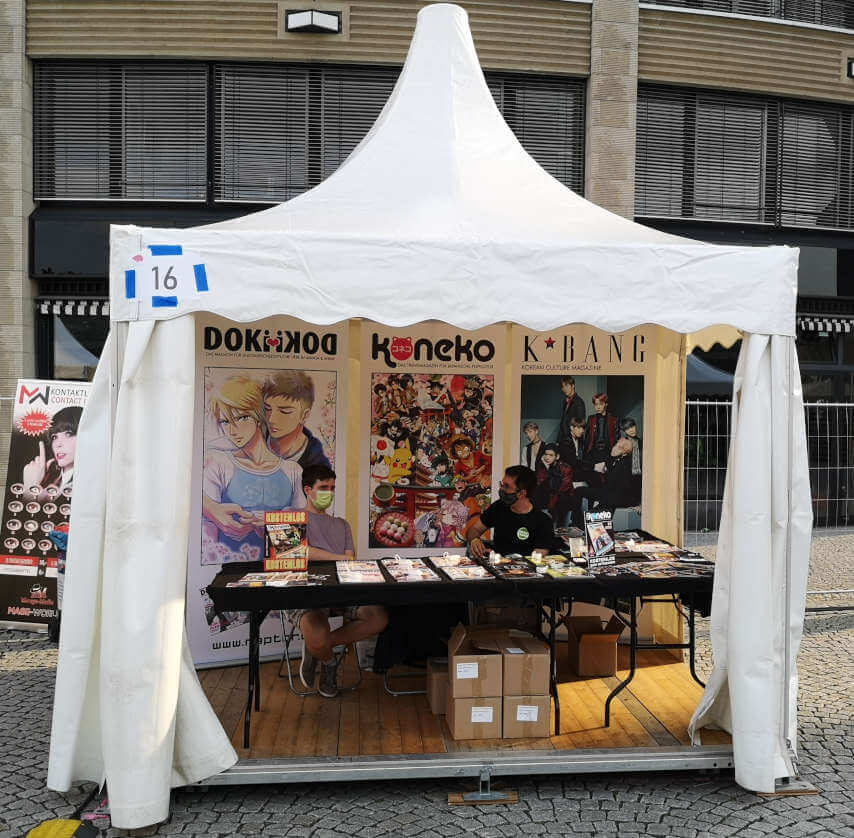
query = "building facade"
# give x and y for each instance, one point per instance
(721, 120)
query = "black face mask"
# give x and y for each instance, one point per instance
(508, 498)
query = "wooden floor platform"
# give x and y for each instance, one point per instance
(654, 710)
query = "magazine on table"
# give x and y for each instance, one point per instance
(410, 570)
(287, 540)
(276, 579)
(447, 560)
(463, 573)
(358, 572)
(514, 570)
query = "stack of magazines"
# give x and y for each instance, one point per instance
(276, 579)
(460, 568)
(358, 572)
(410, 570)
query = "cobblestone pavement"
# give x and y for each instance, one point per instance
(683, 805)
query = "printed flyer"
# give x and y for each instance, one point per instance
(581, 418)
(268, 405)
(37, 503)
(428, 397)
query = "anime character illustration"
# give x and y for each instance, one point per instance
(288, 399)
(439, 430)
(53, 470)
(245, 479)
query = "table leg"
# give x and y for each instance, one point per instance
(553, 662)
(692, 643)
(633, 649)
(254, 685)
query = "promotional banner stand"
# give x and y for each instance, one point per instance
(438, 215)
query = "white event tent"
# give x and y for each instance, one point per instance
(438, 214)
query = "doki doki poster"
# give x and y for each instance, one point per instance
(580, 419)
(432, 401)
(37, 502)
(269, 403)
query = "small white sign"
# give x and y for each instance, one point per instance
(514, 650)
(527, 713)
(482, 714)
(466, 671)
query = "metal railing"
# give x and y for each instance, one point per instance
(830, 446)
(836, 13)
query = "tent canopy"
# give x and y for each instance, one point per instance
(440, 213)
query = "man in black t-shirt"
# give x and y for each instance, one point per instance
(517, 527)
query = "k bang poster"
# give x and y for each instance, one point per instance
(37, 503)
(581, 418)
(429, 462)
(269, 405)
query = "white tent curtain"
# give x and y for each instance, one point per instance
(129, 706)
(758, 606)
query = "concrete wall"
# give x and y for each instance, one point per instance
(16, 203)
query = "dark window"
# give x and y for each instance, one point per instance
(731, 157)
(838, 13)
(117, 130)
(281, 129)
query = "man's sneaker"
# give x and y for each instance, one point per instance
(307, 667)
(328, 685)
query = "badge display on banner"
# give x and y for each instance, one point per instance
(269, 404)
(37, 503)
(580, 419)
(432, 404)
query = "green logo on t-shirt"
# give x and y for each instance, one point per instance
(522, 534)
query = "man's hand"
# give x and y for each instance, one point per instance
(477, 547)
(222, 515)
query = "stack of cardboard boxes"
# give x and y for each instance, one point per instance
(497, 685)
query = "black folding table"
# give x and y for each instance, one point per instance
(547, 593)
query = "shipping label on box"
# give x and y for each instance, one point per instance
(474, 718)
(474, 664)
(527, 716)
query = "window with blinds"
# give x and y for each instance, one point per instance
(281, 129)
(837, 13)
(119, 130)
(731, 157)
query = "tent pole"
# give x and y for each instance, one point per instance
(788, 750)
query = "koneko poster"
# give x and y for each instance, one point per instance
(432, 397)
(269, 404)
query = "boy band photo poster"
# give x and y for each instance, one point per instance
(429, 395)
(37, 503)
(580, 420)
(269, 405)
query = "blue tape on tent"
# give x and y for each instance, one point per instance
(164, 302)
(165, 249)
(201, 277)
(130, 284)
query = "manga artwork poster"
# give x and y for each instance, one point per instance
(37, 502)
(429, 396)
(581, 418)
(268, 406)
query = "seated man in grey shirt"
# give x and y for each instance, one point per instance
(329, 539)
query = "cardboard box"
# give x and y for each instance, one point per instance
(499, 613)
(437, 685)
(474, 664)
(592, 649)
(474, 718)
(525, 664)
(527, 716)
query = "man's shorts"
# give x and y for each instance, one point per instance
(294, 615)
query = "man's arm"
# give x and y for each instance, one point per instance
(475, 530)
